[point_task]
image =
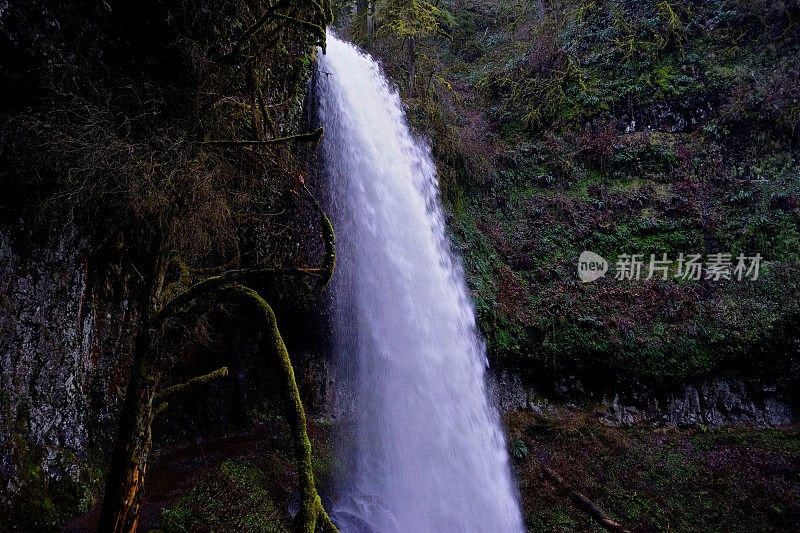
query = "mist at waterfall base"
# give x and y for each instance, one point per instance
(425, 452)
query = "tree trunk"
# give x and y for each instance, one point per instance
(412, 64)
(362, 18)
(371, 20)
(122, 500)
(123, 493)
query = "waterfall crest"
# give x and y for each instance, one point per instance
(427, 453)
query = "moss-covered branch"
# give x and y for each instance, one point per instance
(311, 513)
(160, 408)
(199, 380)
(202, 288)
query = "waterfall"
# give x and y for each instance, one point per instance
(427, 453)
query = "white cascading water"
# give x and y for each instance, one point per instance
(427, 451)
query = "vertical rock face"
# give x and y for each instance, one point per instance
(716, 402)
(65, 332)
(712, 403)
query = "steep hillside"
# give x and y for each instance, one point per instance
(617, 127)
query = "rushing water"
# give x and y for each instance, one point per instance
(427, 454)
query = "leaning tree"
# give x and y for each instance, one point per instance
(172, 305)
(237, 122)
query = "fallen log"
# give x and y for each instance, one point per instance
(582, 502)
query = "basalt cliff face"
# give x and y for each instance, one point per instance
(711, 403)
(66, 335)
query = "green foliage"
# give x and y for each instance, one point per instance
(234, 497)
(411, 18)
(519, 450)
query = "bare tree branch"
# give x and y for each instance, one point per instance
(313, 136)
